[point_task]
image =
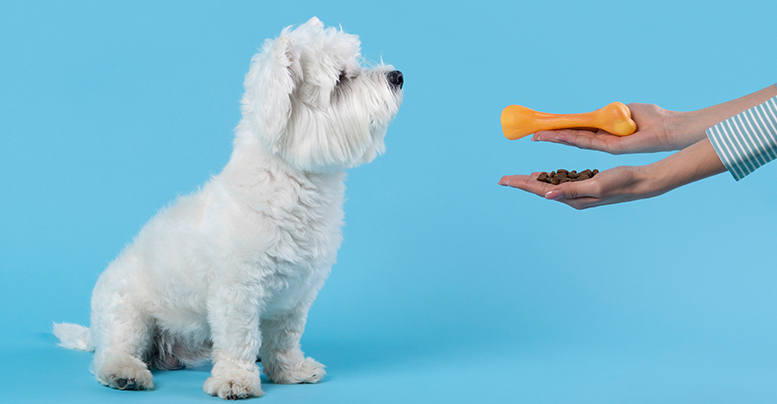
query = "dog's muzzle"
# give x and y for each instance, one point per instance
(395, 79)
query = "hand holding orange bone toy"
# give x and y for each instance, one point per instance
(518, 121)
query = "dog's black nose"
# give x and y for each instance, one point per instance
(396, 79)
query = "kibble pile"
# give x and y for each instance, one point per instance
(562, 175)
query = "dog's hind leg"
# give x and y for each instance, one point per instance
(122, 335)
(118, 361)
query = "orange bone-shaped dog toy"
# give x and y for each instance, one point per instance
(518, 121)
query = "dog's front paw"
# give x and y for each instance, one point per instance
(304, 371)
(126, 374)
(234, 385)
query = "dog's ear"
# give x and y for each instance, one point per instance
(277, 72)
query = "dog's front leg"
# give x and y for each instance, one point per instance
(282, 357)
(233, 316)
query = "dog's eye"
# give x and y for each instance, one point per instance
(342, 77)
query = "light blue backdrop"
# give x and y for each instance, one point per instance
(448, 288)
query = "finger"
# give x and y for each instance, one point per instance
(572, 190)
(583, 139)
(552, 135)
(526, 183)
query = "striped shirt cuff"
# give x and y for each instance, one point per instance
(747, 141)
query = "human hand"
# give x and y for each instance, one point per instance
(626, 183)
(657, 129)
(652, 135)
(620, 184)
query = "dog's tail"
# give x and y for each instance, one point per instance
(74, 336)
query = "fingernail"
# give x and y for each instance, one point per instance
(565, 137)
(553, 195)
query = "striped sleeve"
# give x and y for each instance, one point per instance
(747, 141)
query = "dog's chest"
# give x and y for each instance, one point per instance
(295, 226)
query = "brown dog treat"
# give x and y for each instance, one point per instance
(561, 176)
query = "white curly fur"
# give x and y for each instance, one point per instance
(229, 273)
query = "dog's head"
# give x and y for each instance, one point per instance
(310, 101)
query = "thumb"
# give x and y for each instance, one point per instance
(569, 190)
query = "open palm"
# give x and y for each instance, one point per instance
(651, 135)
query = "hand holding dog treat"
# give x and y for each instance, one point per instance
(626, 183)
(519, 121)
(658, 130)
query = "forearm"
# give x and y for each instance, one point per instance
(693, 163)
(687, 128)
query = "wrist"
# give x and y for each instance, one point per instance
(697, 122)
(652, 179)
(683, 128)
(693, 163)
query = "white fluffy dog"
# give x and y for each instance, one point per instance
(230, 272)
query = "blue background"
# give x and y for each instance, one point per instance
(448, 287)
